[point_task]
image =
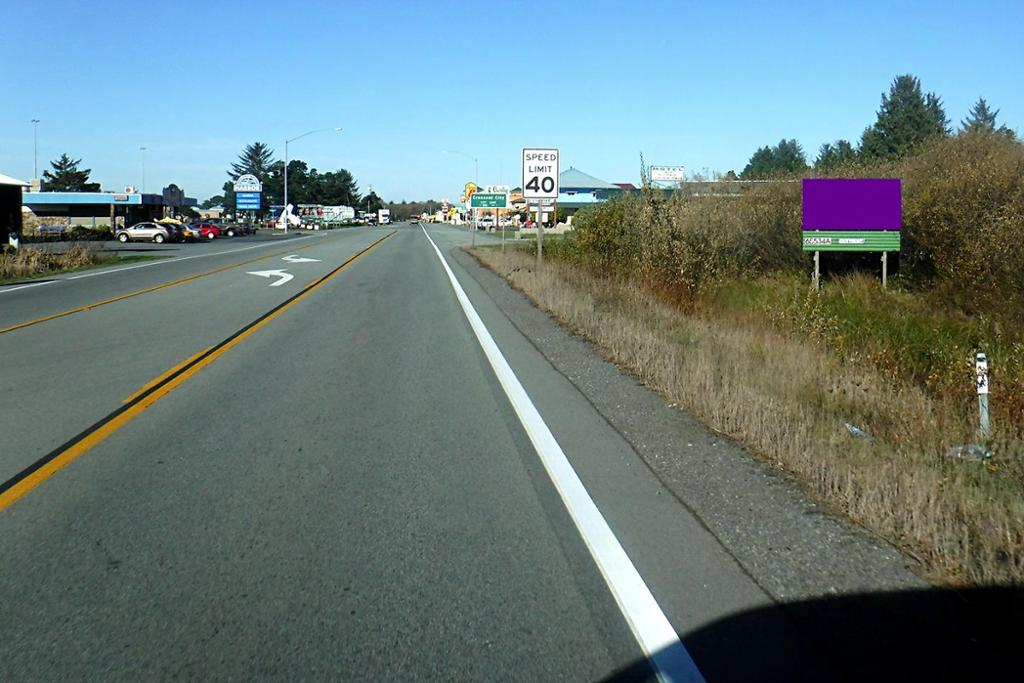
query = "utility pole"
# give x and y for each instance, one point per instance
(143, 150)
(35, 149)
(318, 130)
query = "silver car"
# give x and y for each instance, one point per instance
(145, 231)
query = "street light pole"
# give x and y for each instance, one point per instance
(476, 180)
(143, 150)
(35, 149)
(286, 142)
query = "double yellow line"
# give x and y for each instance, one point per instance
(147, 290)
(44, 468)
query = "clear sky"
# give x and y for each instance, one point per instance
(698, 84)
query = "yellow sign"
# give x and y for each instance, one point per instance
(470, 190)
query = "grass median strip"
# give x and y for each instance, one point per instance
(147, 290)
(35, 474)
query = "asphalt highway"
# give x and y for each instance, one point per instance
(216, 471)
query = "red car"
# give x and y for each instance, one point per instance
(207, 230)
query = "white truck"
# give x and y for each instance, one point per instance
(383, 216)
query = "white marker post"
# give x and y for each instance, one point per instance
(981, 368)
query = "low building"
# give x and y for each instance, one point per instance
(578, 190)
(211, 212)
(11, 190)
(95, 209)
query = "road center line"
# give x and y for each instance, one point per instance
(35, 474)
(147, 290)
(649, 625)
(176, 259)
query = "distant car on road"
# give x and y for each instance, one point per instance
(485, 223)
(147, 231)
(415, 220)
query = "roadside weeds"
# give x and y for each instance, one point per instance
(28, 263)
(788, 400)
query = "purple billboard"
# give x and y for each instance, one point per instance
(852, 204)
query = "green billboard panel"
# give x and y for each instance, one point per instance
(851, 240)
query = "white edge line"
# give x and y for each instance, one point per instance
(650, 626)
(4, 290)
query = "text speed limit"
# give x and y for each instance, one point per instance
(540, 173)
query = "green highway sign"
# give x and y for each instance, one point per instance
(851, 240)
(489, 200)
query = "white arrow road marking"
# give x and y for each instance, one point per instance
(295, 258)
(285, 276)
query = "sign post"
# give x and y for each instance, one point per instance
(470, 191)
(489, 200)
(540, 181)
(864, 214)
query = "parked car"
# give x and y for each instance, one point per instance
(232, 229)
(208, 231)
(190, 233)
(485, 223)
(148, 231)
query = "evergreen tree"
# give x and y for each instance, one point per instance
(785, 158)
(256, 159)
(831, 156)
(215, 200)
(67, 177)
(760, 164)
(983, 120)
(906, 118)
(789, 157)
(371, 203)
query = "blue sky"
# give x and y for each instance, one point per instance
(698, 84)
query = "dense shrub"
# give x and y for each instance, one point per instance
(963, 208)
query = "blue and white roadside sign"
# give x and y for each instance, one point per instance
(247, 201)
(248, 191)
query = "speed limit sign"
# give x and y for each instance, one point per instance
(540, 173)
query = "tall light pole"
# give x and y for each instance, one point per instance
(143, 150)
(476, 180)
(286, 143)
(35, 149)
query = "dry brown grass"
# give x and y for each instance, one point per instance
(29, 262)
(786, 399)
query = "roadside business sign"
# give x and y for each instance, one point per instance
(668, 174)
(540, 173)
(248, 193)
(489, 200)
(852, 204)
(852, 214)
(248, 183)
(247, 201)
